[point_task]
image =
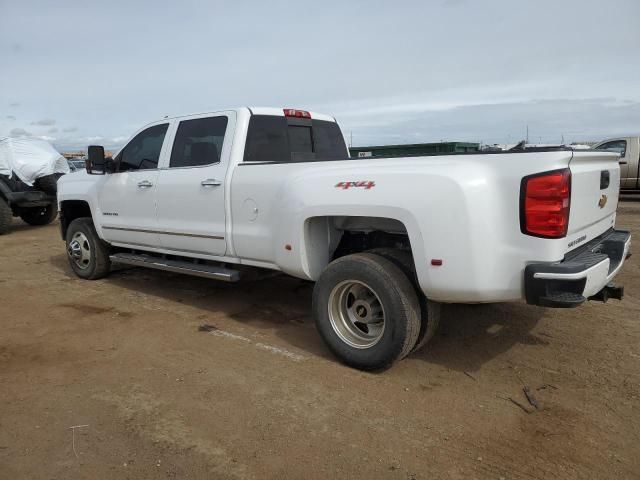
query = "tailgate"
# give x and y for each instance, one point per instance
(595, 183)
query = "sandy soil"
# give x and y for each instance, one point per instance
(261, 397)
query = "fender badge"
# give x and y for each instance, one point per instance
(603, 201)
(366, 184)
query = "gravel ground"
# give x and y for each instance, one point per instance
(259, 396)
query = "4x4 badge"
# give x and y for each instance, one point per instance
(603, 201)
(366, 184)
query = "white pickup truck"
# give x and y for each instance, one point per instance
(385, 240)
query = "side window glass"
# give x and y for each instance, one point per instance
(618, 146)
(198, 142)
(267, 139)
(143, 152)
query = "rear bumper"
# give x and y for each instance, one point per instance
(583, 273)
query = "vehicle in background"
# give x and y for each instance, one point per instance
(629, 150)
(385, 239)
(29, 172)
(76, 164)
(502, 147)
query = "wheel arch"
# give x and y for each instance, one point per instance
(70, 210)
(326, 237)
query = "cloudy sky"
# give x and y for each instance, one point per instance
(79, 73)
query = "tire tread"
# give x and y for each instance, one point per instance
(430, 311)
(5, 217)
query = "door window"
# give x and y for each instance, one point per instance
(143, 152)
(618, 146)
(198, 142)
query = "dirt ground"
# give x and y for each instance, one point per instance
(123, 360)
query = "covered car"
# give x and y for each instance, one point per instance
(30, 159)
(29, 171)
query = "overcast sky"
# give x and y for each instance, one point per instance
(79, 73)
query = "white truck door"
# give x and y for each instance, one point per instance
(127, 198)
(191, 187)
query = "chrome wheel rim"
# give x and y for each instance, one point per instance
(79, 250)
(356, 314)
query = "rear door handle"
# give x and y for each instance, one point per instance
(210, 182)
(145, 184)
(622, 162)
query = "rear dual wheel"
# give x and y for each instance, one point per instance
(367, 311)
(429, 310)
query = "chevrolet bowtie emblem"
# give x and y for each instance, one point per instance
(603, 201)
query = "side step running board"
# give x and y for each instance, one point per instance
(177, 266)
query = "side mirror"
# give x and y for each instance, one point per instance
(95, 162)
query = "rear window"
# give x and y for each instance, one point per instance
(274, 139)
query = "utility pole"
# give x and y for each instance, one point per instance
(350, 138)
(527, 141)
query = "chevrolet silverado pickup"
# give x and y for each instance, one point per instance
(386, 240)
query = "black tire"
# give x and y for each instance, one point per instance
(5, 217)
(391, 288)
(430, 310)
(95, 251)
(48, 184)
(39, 215)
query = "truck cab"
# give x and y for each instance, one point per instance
(168, 189)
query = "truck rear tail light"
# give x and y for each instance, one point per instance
(292, 112)
(544, 204)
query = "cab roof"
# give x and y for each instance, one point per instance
(279, 112)
(274, 111)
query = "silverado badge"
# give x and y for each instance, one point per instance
(603, 201)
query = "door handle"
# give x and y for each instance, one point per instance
(622, 162)
(210, 182)
(145, 184)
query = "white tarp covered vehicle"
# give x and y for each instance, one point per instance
(30, 159)
(29, 170)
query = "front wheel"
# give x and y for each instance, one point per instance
(39, 215)
(88, 255)
(366, 311)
